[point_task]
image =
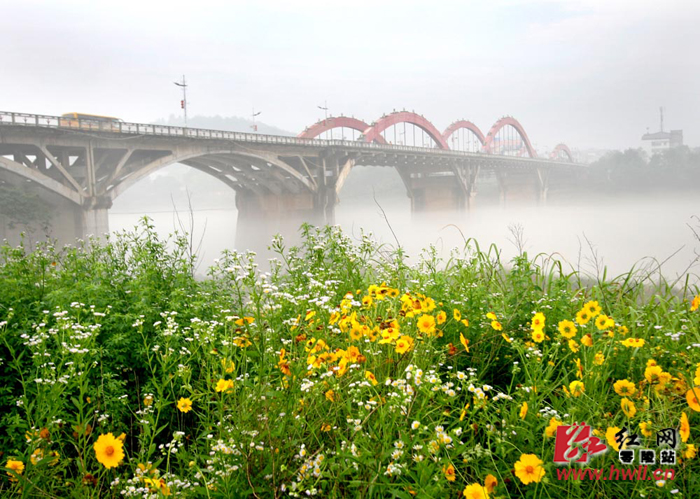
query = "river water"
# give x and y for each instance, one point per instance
(621, 231)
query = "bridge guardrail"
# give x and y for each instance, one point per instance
(91, 126)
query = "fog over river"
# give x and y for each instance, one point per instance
(623, 230)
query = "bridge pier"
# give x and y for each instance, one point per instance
(94, 217)
(437, 194)
(523, 186)
(261, 216)
(447, 190)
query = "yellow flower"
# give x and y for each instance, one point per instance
(633, 342)
(426, 324)
(491, 316)
(496, 326)
(224, 384)
(449, 472)
(464, 342)
(610, 437)
(507, 338)
(587, 340)
(628, 407)
(463, 413)
(404, 344)
(325, 427)
(551, 429)
(685, 427)
(645, 427)
(229, 365)
(567, 329)
(475, 491)
(604, 322)
(690, 452)
(577, 388)
(624, 388)
(599, 359)
(529, 468)
(653, 374)
(592, 308)
(356, 333)
(582, 317)
(16, 466)
(692, 398)
(244, 320)
(38, 455)
(184, 405)
(538, 321)
(573, 346)
(465, 322)
(441, 317)
(457, 315)
(372, 379)
(148, 400)
(695, 304)
(330, 395)
(523, 410)
(537, 335)
(109, 450)
(367, 301)
(490, 482)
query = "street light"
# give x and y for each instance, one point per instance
(183, 102)
(254, 126)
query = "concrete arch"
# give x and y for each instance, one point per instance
(562, 148)
(457, 125)
(43, 180)
(373, 133)
(508, 120)
(336, 122)
(183, 157)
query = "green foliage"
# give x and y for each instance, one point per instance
(108, 337)
(22, 208)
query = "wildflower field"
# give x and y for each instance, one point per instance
(344, 370)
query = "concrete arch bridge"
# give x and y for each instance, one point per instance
(82, 166)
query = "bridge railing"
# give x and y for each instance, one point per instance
(87, 125)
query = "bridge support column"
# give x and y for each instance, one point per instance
(542, 184)
(521, 186)
(436, 194)
(94, 217)
(261, 216)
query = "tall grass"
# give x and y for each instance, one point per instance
(322, 374)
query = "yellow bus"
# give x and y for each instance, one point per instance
(90, 122)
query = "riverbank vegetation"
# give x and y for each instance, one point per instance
(341, 370)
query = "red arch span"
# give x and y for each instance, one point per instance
(515, 124)
(562, 148)
(374, 132)
(463, 124)
(336, 122)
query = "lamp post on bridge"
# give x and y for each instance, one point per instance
(183, 102)
(254, 126)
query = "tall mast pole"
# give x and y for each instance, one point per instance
(183, 85)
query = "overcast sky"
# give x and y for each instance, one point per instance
(591, 73)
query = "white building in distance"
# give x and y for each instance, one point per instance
(655, 142)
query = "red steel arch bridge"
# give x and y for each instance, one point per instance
(82, 165)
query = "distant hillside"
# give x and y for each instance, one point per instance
(228, 123)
